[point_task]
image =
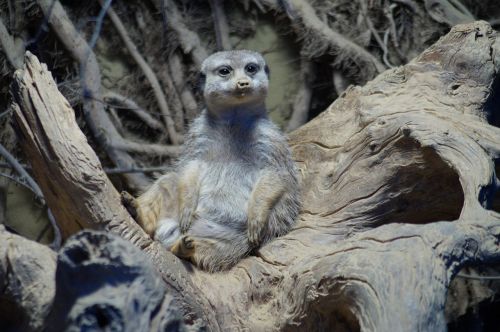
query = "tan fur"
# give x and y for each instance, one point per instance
(266, 193)
(159, 201)
(188, 191)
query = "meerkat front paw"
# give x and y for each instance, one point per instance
(145, 216)
(130, 203)
(186, 219)
(255, 227)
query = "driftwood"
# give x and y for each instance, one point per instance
(398, 187)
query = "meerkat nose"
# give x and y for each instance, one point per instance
(242, 83)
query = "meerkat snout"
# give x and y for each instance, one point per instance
(242, 83)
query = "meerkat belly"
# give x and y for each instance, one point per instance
(223, 199)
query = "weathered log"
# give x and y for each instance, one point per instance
(27, 274)
(398, 182)
(105, 284)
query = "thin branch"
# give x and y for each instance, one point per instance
(22, 172)
(99, 21)
(138, 170)
(468, 276)
(389, 14)
(150, 76)
(460, 6)
(128, 104)
(221, 27)
(20, 181)
(56, 243)
(302, 101)
(371, 27)
(174, 98)
(111, 170)
(409, 3)
(117, 121)
(14, 51)
(189, 40)
(176, 69)
(494, 21)
(339, 82)
(27, 181)
(8, 112)
(143, 148)
(386, 52)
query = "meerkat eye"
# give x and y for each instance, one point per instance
(251, 68)
(224, 71)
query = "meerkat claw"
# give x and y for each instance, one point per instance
(186, 220)
(184, 247)
(188, 242)
(130, 203)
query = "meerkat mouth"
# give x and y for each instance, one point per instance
(242, 93)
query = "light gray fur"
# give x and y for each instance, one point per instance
(232, 144)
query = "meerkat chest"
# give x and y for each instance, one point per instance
(229, 172)
(233, 150)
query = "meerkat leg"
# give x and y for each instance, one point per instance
(159, 201)
(188, 195)
(267, 192)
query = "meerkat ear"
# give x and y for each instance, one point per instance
(268, 72)
(200, 86)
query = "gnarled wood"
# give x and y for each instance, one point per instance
(27, 281)
(398, 178)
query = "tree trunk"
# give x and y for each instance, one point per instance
(398, 183)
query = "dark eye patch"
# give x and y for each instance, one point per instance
(224, 70)
(252, 68)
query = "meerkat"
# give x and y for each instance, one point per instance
(235, 185)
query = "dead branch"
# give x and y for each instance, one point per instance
(174, 99)
(22, 172)
(95, 116)
(177, 70)
(382, 44)
(450, 12)
(147, 148)
(302, 101)
(307, 18)
(33, 186)
(340, 83)
(12, 47)
(221, 27)
(189, 40)
(116, 100)
(150, 76)
(409, 3)
(162, 169)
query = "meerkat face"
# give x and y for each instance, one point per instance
(234, 78)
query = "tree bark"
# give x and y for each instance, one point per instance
(398, 183)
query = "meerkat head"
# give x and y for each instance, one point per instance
(234, 78)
